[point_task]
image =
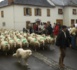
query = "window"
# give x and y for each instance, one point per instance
(76, 20)
(37, 12)
(59, 21)
(74, 11)
(27, 11)
(48, 12)
(2, 13)
(24, 11)
(72, 21)
(60, 11)
(3, 24)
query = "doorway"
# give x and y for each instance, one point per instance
(60, 21)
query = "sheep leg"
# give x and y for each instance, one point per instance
(8, 47)
(43, 47)
(6, 53)
(14, 44)
(20, 45)
(35, 49)
(27, 45)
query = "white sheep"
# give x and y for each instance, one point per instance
(24, 42)
(11, 42)
(4, 45)
(18, 41)
(34, 42)
(49, 40)
(41, 39)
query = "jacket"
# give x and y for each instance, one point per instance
(63, 41)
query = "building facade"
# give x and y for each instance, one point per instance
(17, 14)
(69, 8)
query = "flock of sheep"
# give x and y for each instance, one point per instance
(10, 40)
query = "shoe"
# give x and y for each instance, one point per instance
(61, 65)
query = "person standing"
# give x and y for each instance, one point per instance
(30, 28)
(41, 28)
(56, 30)
(73, 31)
(24, 30)
(49, 29)
(35, 27)
(62, 41)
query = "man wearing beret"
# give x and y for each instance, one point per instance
(63, 41)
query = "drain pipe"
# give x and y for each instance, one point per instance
(14, 16)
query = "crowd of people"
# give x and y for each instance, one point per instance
(40, 28)
(48, 29)
(64, 36)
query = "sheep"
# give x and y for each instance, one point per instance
(4, 45)
(25, 42)
(18, 41)
(19, 36)
(49, 40)
(23, 54)
(2, 36)
(34, 42)
(41, 40)
(11, 42)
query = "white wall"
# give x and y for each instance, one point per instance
(8, 17)
(20, 19)
(14, 16)
(15, 19)
(72, 16)
(68, 15)
(55, 15)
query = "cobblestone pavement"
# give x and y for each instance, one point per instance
(10, 63)
(52, 63)
(38, 61)
(53, 53)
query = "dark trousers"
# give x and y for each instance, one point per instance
(73, 41)
(62, 55)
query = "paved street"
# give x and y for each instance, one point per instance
(10, 63)
(44, 60)
(53, 54)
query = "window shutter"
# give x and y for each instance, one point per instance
(60, 11)
(76, 20)
(24, 11)
(48, 12)
(74, 11)
(30, 12)
(2, 13)
(35, 12)
(10, 2)
(27, 24)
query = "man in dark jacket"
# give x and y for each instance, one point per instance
(49, 29)
(62, 41)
